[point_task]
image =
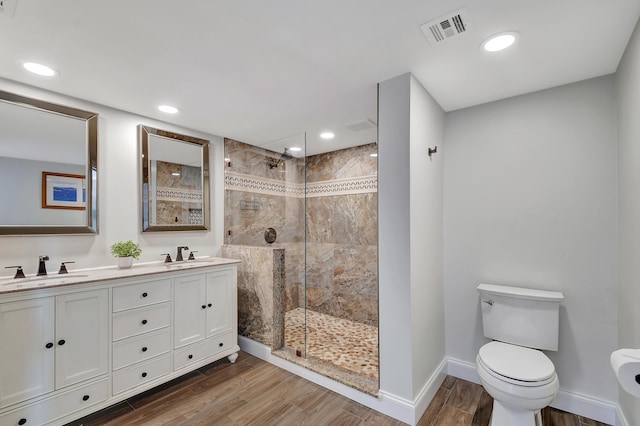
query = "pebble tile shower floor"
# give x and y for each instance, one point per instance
(346, 344)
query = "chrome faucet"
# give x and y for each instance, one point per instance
(42, 268)
(179, 256)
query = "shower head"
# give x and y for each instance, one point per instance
(286, 155)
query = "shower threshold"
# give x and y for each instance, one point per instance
(343, 350)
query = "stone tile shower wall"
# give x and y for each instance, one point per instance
(342, 234)
(178, 194)
(341, 215)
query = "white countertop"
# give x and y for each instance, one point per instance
(82, 276)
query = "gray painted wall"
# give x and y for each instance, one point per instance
(530, 200)
(410, 240)
(628, 93)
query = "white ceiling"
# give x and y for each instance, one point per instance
(259, 71)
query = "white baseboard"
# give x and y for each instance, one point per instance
(586, 406)
(621, 420)
(389, 404)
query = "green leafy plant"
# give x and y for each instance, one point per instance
(126, 249)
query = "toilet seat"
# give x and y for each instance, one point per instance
(516, 364)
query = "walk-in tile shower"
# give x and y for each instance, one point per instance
(306, 230)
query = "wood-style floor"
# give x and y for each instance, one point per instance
(254, 392)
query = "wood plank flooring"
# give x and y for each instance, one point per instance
(254, 392)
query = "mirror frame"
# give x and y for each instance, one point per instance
(91, 120)
(145, 132)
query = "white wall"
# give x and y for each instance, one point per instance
(425, 188)
(530, 200)
(410, 240)
(628, 94)
(119, 193)
(22, 185)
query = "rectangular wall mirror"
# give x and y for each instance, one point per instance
(175, 181)
(48, 168)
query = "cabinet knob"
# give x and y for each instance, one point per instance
(48, 345)
(209, 305)
(221, 344)
(61, 342)
(144, 322)
(204, 306)
(144, 374)
(190, 356)
(22, 421)
(85, 398)
(144, 294)
(144, 349)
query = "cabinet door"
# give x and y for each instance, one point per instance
(26, 363)
(189, 310)
(219, 303)
(82, 336)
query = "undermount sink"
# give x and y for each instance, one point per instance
(46, 279)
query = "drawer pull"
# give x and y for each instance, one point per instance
(209, 305)
(190, 356)
(48, 345)
(204, 306)
(144, 294)
(144, 322)
(85, 398)
(144, 349)
(144, 374)
(22, 421)
(61, 342)
(221, 344)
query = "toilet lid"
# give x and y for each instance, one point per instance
(516, 362)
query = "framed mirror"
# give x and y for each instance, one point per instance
(175, 181)
(48, 168)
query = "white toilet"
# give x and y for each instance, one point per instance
(519, 377)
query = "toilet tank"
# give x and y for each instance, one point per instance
(521, 316)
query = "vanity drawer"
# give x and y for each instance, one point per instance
(138, 349)
(138, 321)
(45, 411)
(141, 373)
(201, 350)
(141, 294)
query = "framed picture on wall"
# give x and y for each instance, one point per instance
(63, 191)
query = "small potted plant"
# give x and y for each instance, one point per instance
(126, 251)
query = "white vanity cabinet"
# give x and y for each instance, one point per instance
(68, 351)
(203, 306)
(82, 336)
(141, 333)
(205, 309)
(57, 340)
(27, 336)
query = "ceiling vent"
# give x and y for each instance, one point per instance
(447, 26)
(360, 125)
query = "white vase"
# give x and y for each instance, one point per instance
(125, 262)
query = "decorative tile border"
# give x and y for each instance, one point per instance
(250, 183)
(173, 194)
(348, 186)
(359, 185)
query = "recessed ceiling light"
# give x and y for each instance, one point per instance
(373, 155)
(500, 41)
(295, 149)
(168, 109)
(175, 174)
(327, 135)
(39, 69)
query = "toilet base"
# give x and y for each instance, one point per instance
(508, 416)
